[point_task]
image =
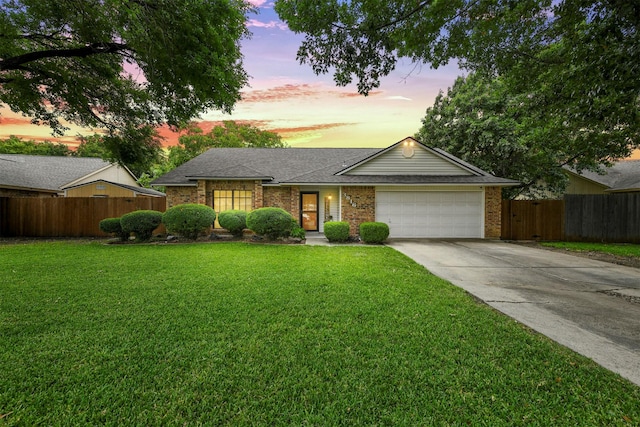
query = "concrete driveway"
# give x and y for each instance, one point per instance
(590, 306)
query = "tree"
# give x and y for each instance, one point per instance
(229, 134)
(481, 122)
(92, 146)
(15, 145)
(138, 149)
(572, 64)
(120, 65)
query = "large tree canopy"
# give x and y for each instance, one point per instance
(479, 121)
(120, 64)
(230, 135)
(572, 65)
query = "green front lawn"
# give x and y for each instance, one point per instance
(242, 334)
(620, 249)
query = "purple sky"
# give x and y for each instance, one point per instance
(306, 110)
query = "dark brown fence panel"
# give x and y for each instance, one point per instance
(67, 217)
(532, 219)
(603, 218)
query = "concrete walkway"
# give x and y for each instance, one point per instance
(590, 306)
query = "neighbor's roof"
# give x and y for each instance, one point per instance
(45, 173)
(307, 166)
(140, 190)
(620, 177)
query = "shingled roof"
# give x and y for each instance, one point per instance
(623, 176)
(304, 166)
(45, 173)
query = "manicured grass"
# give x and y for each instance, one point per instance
(621, 249)
(241, 334)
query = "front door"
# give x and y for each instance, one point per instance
(309, 211)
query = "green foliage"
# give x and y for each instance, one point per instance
(92, 146)
(297, 232)
(374, 232)
(114, 227)
(141, 223)
(234, 221)
(570, 67)
(229, 135)
(189, 220)
(618, 249)
(138, 149)
(15, 145)
(336, 231)
(120, 64)
(273, 223)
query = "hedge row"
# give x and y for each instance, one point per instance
(370, 232)
(191, 220)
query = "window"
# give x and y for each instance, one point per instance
(223, 200)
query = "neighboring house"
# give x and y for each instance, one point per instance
(621, 177)
(102, 188)
(417, 190)
(50, 176)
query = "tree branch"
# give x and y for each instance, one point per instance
(80, 52)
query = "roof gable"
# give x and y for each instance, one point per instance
(330, 166)
(410, 157)
(47, 173)
(135, 188)
(622, 176)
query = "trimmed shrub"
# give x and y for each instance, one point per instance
(112, 226)
(374, 232)
(141, 223)
(234, 221)
(336, 231)
(188, 220)
(271, 223)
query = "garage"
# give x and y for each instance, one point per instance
(438, 214)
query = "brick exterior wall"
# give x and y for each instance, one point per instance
(181, 195)
(364, 199)
(287, 198)
(492, 212)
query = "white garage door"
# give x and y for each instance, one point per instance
(431, 213)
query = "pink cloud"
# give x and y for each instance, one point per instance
(292, 91)
(271, 24)
(257, 3)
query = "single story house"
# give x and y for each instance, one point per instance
(621, 177)
(24, 175)
(417, 190)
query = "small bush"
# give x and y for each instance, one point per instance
(141, 223)
(298, 232)
(374, 232)
(112, 226)
(336, 231)
(272, 223)
(234, 221)
(188, 220)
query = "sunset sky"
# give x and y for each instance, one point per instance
(305, 109)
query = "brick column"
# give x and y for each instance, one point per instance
(358, 206)
(258, 195)
(492, 212)
(202, 192)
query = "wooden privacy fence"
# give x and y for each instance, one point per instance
(66, 216)
(603, 218)
(532, 219)
(582, 218)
